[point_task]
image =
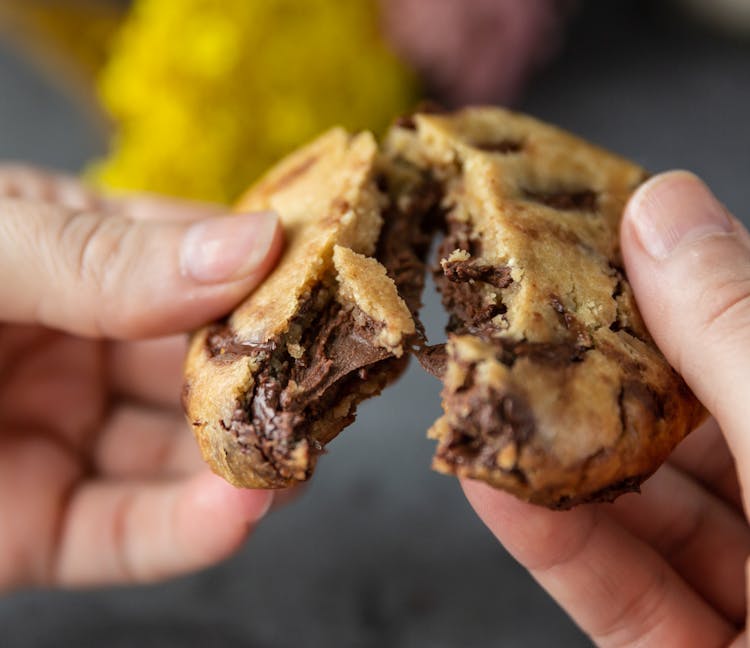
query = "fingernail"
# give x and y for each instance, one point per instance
(227, 248)
(675, 208)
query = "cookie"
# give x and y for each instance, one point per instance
(269, 387)
(553, 388)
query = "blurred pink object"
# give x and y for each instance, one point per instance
(475, 50)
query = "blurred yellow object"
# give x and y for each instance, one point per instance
(205, 94)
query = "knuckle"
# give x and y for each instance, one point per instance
(685, 533)
(95, 248)
(639, 615)
(716, 279)
(726, 305)
(121, 539)
(560, 552)
(98, 253)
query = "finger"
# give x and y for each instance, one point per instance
(148, 370)
(54, 385)
(34, 184)
(110, 276)
(705, 540)
(689, 264)
(614, 586)
(161, 208)
(29, 183)
(137, 532)
(704, 456)
(140, 442)
(36, 474)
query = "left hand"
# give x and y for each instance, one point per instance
(100, 478)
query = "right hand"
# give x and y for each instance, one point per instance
(667, 567)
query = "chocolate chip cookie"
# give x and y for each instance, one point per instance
(553, 388)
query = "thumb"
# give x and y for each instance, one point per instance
(98, 274)
(688, 261)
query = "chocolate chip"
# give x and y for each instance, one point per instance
(572, 324)
(433, 359)
(552, 354)
(585, 200)
(461, 271)
(504, 147)
(406, 122)
(641, 393)
(491, 422)
(223, 344)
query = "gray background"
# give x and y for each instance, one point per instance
(394, 557)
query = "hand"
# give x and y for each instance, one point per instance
(475, 51)
(667, 567)
(100, 478)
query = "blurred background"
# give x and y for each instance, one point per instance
(379, 551)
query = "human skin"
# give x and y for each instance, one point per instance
(666, 567)
(100, 482)
(100, 479)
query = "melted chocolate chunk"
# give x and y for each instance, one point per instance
(433, 359)
(339, 353)
(406, 121)
(459, 271)
(491, 422)
(638, 392)
(585, 200)
(224, 345)
(405, 240)
(470, 307)
(340, 347)
(503, 147)
(291, 394)
(551, 354)
(577, 329)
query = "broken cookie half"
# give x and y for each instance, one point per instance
(553, 388)
(267, 388)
